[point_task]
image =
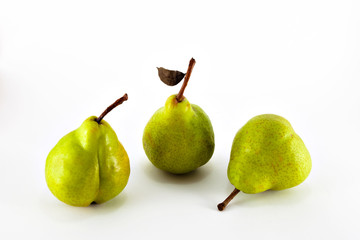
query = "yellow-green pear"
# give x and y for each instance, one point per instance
(179, 137)
(89, 164)
(266, 154)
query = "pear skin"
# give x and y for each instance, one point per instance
(179, 137)
(268, 154)
(88, 164)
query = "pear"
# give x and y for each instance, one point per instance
(89, 164)
(266, 154)
(179, 137)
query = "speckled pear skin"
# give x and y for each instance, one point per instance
(87, 165)
(268, 154)
(179, 137)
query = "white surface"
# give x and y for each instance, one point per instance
(62, 62)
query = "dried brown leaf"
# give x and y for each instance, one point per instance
(170, 77)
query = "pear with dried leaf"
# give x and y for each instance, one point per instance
(179, 137)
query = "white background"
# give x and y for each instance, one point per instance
(62, 61)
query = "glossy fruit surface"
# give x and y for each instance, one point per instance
(268, 154)
(179, 137)
(89, 164)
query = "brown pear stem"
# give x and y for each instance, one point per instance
(222, 206)
(180, 96)
(111, 107)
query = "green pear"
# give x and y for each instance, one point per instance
(89, 164)
(266, 154)
(179, 137)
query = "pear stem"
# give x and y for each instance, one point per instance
(180, 96)
(222, 206)
(111, 107)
